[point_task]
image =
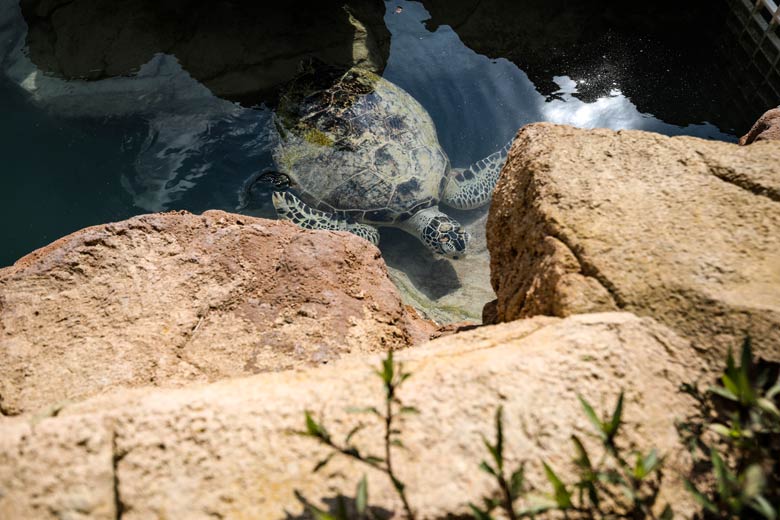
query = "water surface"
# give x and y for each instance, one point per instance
(85, 161)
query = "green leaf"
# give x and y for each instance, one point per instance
(479, 514)
(516, 481)
(700, 497)
(754, 481)
(724, 431)
(409, 410)
(747, 356)
(484, 466)
(341, 508)
(371, 459)
(364, 409)
(614, 424)
(582, 460)
(768, 406)
(537, 505)
(591, 414)
(500, 438)
(352, 432)
(649, 464)
(398, 485)
(667, 513)
(723, 392)
(731, 385)
(493, 452)
(315, 429)
(361, 496)
(722, 477)
(775, 390)
(319, 514)
(321, 464)
(397, 443)
(762, 506)
(561, 494)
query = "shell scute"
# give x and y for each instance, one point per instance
(371, 153)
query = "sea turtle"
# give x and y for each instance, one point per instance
(361, 152)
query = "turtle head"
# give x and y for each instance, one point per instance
(442, 234)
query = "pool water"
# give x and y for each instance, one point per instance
(71, 165)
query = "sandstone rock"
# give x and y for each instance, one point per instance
(169, 299)
(681, 229)
(766, 128)
(225, 450)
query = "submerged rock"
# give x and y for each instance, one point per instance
(767, 128)
(680, 229)
(238, 49)
(172, 299)
(225, 450)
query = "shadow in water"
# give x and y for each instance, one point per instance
(434, 277)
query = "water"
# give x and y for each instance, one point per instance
(77, 154)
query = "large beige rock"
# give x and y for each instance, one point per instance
(681, 229)
(225, 450)
(169, 299)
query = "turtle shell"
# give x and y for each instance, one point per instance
(359, 146)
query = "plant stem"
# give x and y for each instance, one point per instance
(510, 510)
(388, 452)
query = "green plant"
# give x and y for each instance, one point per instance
(735, 441)
(611, 488)
(511, 487)
(393, 376)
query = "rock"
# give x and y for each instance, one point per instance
(680, 229)
(225, 450)
(175, 298)
(239, 49)
(766, 128)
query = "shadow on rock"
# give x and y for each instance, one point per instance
(339, 505)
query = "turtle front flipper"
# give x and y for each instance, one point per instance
(472, 187)
(290, 207)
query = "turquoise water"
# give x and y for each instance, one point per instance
(67, 169)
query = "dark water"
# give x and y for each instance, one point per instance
(64, 169)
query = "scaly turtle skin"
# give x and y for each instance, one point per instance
(362, 152)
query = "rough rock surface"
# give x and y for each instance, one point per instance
(168, 299)
(767, 128)
(681, 229)
(225, 450)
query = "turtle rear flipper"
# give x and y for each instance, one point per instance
(290, 207)
(472, 187)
